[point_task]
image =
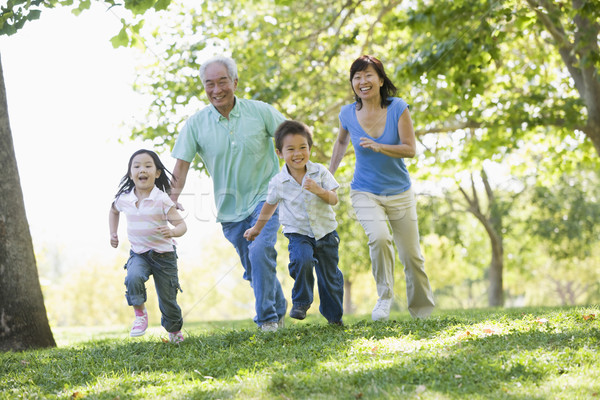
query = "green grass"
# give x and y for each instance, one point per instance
(541, 353)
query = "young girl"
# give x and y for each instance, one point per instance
(143, 197)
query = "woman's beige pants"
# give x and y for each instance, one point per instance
(374, 212)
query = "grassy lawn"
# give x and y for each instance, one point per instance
(533, 353)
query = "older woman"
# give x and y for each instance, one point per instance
(381, 131)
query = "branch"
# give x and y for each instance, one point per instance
(314, 34)
(556, 30)
(488, 188)
(449, 128)
(382, 13)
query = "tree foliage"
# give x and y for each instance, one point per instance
(484, 78)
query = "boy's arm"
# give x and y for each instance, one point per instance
(328, 196)
(113, 225)
(175, 219)
(266, 213)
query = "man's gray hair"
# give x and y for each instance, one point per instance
(228, 62)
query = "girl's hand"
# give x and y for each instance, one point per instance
(312, 186)
(370, 144)
(114, 240)
(165, 231)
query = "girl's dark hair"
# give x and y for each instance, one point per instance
(291, 127)
(387, 90)
(162, 182)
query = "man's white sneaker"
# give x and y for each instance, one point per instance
(269, 327)
(139, 325)
(381, 312)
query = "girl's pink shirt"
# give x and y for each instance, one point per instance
(143, 221)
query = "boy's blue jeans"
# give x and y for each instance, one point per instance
(259, 260)
(163, 266)
(307, 253)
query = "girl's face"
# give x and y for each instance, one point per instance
(366, 83)
(143, 172)
(295, 152)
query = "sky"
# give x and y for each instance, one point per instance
(70, 102)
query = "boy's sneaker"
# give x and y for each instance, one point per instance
(381, 312)
(176, 337)
(298, 311)
(281, 323)
(269, 327)
(139, 325)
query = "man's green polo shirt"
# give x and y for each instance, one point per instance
(238, 153)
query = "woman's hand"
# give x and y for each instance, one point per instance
(370, 144)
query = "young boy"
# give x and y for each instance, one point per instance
(306, 192)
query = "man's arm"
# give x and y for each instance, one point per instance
(180, 172)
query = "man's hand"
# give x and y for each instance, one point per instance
(251, 234)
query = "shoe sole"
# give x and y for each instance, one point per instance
(137, 334)
(297, 316)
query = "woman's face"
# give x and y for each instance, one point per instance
(366, 84)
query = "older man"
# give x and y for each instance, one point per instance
(233, 137)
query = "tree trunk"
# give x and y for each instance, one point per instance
(496, 292)
(348, 308)
(23, 320)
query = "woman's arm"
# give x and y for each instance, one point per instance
(406, 133)
(339, 149)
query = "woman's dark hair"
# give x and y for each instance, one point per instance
(387, 90)
(290, 127)
(162, 182)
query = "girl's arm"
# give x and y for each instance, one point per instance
(406, 133)
(113, 225)
(328, 196)
(339, 149)
(266, 213)
(175, 219)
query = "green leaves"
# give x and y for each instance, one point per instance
(16, 12)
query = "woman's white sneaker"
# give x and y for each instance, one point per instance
(381, 312)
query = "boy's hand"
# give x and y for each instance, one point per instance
(312, 186)
(114, 240)
(251, 234)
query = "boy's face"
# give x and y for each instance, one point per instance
(295, 152)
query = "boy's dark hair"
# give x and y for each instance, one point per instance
(291, 127)
(162, 182)
(387, 90)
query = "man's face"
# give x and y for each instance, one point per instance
(219, 87)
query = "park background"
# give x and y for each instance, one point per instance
(73, 109)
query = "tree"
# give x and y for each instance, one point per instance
(23, 319)
(567, 224)
(501, 70)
